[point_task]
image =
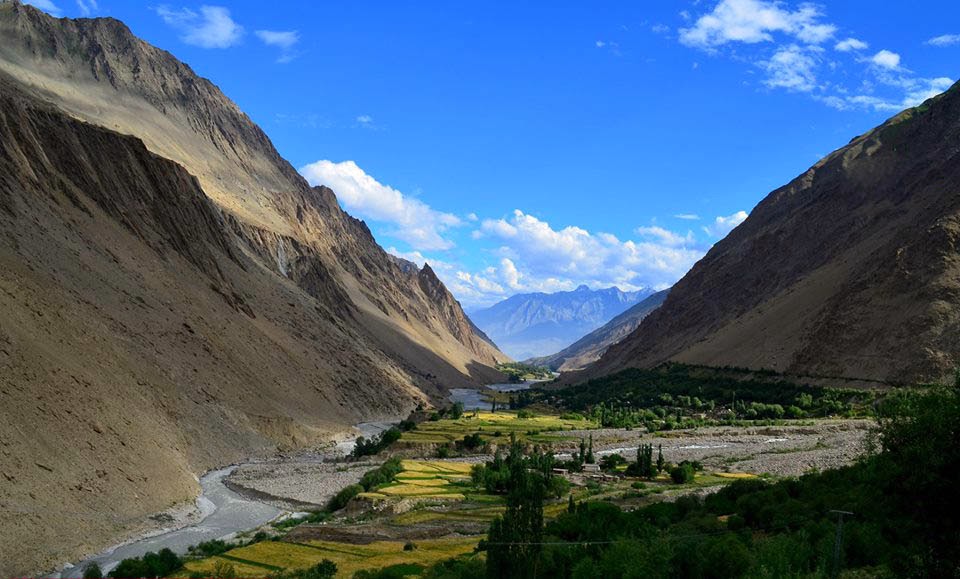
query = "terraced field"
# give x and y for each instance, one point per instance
(425, 479)
(268, 557)
(496, 428)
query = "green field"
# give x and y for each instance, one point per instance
(496, 428)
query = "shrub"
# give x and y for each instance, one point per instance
(409, 546)
(682, 473)
(381, 475)
(92, 572)
(343, 497)
(524, 414)
(223, 570)
(471, 441)
(209, 548)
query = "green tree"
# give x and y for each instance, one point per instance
(513, 542)
(660, 461)
(682, 473)
(92, 571)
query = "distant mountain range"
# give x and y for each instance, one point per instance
(539, 324)
(589, 348)
(851, 270)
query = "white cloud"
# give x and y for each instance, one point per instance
(754, 21)
(661, 29)
(721, 226)
(415, 222)
(366, 122)
(851, 44)
(945, 40)
(211, 28)
(793, 68)
(45, 5)
(285, 39)
(538, 257)
(917, 91)
(687, 216)
(666, 237)
(600, 44)
(886, 59)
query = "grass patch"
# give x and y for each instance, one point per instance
(496, 428)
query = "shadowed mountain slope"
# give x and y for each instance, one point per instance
(852, 269)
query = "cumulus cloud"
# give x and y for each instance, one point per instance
(793, 68)
(212, 27)
(537, 257)
(721, 226)
(886, 59)
(755, 21)
(414, 221)
(45, 5)
(851, 44)
(944, 40)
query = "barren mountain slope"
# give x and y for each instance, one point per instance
(853, 269)
(589, 348)
(96, 70)
(148, 332)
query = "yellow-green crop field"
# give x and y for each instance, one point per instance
(543, 428)
(266, 558)
(425, 479)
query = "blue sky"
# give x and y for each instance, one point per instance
(535, 146)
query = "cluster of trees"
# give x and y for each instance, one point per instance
(513, 541)
(498, 475)
(375, 445)
(644, 466)
(454, 412)
(902, 496)
(520, 372)
(679, 396)
(160, 564)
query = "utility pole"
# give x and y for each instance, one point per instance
(838, 542)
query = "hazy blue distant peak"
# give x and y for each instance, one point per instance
(537, 324)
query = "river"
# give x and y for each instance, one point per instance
(472, 399)
(224, 512)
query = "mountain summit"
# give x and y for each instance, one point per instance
(851, 270)
(538, 324)
(174, 296)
